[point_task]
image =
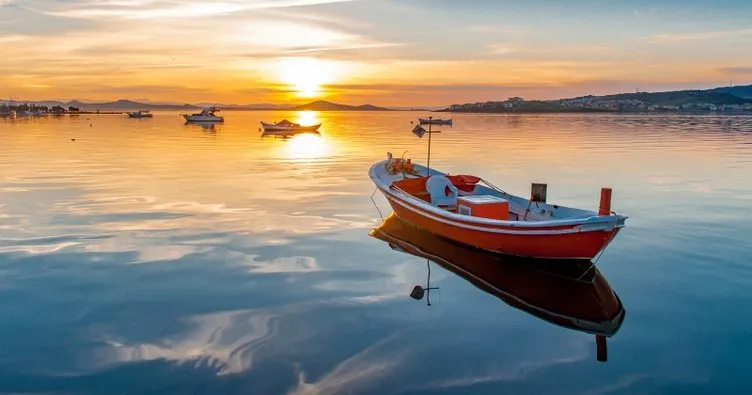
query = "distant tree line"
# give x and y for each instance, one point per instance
(6, 108)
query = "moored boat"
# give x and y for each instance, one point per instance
(206, 115)
(474, 212)
(140, 114)
(435, 121)
(286, 127)
(574, 296)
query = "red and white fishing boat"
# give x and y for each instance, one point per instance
(474, 212)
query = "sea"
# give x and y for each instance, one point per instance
(148, 256)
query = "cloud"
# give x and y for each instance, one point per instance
(547, 51)
(668, 38)
(736, 70)
(499, 29)
(357, 372)
(151, 9)
(501, 49)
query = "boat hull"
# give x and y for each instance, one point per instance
(570, 245)
(424, 121)
(289, 130)
(203, 118)
(574, 245)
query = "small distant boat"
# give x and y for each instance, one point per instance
(140, 114)
(34, 113)
(436, 121)
(286, 127)
(206, 115)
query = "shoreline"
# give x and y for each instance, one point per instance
(595, 111)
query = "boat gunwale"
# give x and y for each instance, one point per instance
(275, 127)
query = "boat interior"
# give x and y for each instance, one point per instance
(471, 195)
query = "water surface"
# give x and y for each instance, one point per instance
(149, 256)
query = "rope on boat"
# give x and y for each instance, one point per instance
(493, 186)
(600, 254)
(375, 205)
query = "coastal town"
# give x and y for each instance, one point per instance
(595, 104)
(727, 100)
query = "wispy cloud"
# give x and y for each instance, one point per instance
(501, 49)
(580, 49)
(356, 372)
(668, 38)
(499, 30)
(736, 70)
(151, 9)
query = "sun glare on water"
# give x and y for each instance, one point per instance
(307, 118)
(306, 146)
(306, 76)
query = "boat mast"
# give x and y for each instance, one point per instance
(428, 162)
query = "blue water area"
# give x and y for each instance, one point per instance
(149, 256)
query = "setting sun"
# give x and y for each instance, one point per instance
(305, 76)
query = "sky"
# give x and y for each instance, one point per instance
(385, 52)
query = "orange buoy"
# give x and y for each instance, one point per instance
(605, 207)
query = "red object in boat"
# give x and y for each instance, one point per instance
(483, 206)
(534, 229)
(464, 182)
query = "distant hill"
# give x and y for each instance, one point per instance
(245, 107)
(126, 105)
(322, 105)
(745, 92)
(677, 98)
(130, 105)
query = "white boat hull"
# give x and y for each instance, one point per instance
(289, 129)
(203, 118)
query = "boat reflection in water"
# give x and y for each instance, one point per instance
(287, 135)
(206, 126)
(572, 294)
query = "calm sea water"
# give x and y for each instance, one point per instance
(149, 256)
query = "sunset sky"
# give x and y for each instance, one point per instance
(387, 52)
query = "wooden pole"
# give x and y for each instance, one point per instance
(428, 166)
(601, 348)
(605, 205)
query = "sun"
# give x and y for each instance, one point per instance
(306, 76)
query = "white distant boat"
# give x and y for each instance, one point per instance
(435, 121)
(206, 115)
(286, 127)
(140, 114)
(30, 113)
